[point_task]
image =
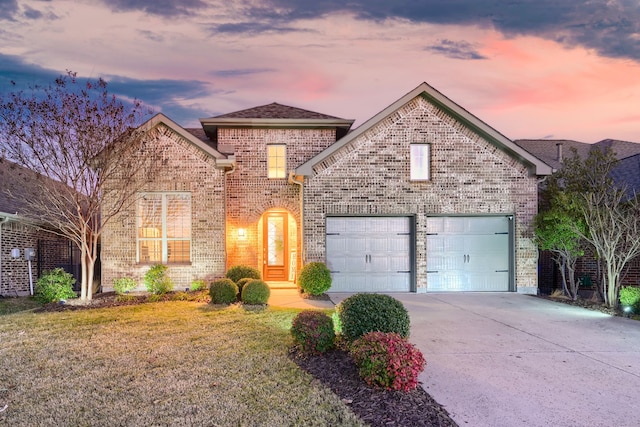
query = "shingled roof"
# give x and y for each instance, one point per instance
(18, 185)
(549, 150)
(274, 115)
(276, 111)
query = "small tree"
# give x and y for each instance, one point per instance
(556, 231)
(611, 217)
(79, 136)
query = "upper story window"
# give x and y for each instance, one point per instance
(276, 160)
(164, 228)
(420, 162)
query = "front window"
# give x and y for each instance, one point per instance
(164, 228)
(420, 162)
(276, 161)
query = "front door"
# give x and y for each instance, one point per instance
(275, 246)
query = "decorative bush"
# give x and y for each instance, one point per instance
(54, 285)
(313, 332)
(157, 281)
(243, 282)
(255, 292)
(197, 285)
(387, 360)
(630, 297)
(362, 313)
(124, 285)
(315, 278)
(241, 271)
(223, 291)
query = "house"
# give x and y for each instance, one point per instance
(423, 196)
(18, 187)
(626, 173)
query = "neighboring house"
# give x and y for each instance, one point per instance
(17, 187)
(626, 173)
(422, 197)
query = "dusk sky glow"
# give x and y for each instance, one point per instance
(528, 68)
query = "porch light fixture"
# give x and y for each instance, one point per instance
(242, 233)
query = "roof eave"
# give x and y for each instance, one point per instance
(275, 123)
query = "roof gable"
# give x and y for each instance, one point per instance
(460, 114)
(189, 136)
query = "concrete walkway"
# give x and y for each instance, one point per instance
(290, 297)
(504, 359)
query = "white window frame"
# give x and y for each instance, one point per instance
(420, 161)
(280, 170)
(164, 239)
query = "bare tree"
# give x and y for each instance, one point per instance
(79, 136)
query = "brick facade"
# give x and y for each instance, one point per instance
(185, 168)
(14, 274)
(370, 176)
(250, 193)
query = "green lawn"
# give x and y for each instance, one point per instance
(164, 364)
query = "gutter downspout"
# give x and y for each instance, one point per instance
(292, 180)
(2, 222)
(232, 163)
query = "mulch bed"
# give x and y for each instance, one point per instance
(376, 407)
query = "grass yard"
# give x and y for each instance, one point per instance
(163, 364)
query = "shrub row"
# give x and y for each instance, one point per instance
(378, 328)
(241, 283)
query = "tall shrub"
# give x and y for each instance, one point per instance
(157, 281)
(315, 278)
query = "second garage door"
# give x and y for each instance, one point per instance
(468, 253)
(369, 254)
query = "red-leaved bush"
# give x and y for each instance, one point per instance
(387, 360)
(313, 332)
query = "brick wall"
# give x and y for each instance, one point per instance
(250, 193)
(14, 274)
(184, 168)
(370, 176)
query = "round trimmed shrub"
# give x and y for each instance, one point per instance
(156, 280)
(123, 285)
(243, 282)
(313, 332)
(362, 313)
(315, 278)
(223, 291)
(255, 292)
(238, 272)
(387, 360)
(54, 285)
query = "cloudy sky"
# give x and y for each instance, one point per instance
(529, 68)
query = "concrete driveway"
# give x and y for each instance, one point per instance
(505, 359)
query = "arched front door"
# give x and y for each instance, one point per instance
(275, 245)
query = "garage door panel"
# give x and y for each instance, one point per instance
(468, 254)
(374, 253)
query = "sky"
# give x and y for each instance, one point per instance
(554, 69)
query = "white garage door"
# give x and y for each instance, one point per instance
(369, 254)
(468, 254)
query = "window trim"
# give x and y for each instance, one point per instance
(164, 239)
(414, 167)
(272, 158)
